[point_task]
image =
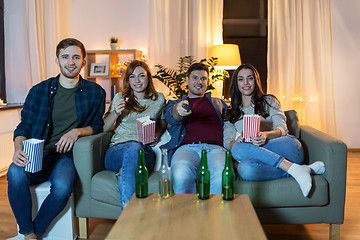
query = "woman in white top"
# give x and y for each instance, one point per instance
(138, 99)
(273, 153)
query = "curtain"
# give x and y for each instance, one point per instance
(300, 60)
(43, 34)
(179, 28)
(31, 36)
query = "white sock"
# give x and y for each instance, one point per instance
(301, 173)
(317, 167)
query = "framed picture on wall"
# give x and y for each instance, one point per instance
(99, 69)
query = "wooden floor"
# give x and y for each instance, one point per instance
(350, 230)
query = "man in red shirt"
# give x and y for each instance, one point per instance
(196, 124)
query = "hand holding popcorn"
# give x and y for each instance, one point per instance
(260, 139)
(20, 158)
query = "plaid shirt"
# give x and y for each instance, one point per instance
(38, 106)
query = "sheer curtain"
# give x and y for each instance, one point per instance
(31, 35)
(300, 60)
(43, 34)
(183, 27)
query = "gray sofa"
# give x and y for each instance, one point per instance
(276, 202)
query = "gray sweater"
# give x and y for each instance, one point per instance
(275, 120)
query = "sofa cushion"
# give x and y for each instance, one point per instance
(292, 122)
(104, 187)
(284, 192)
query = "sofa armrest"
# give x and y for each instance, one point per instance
(89, 153)
(319, 146)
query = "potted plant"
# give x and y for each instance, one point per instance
(114, 43)
(175, 79)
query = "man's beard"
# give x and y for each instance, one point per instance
(68, 74)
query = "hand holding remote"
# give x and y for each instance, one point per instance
(187, 107)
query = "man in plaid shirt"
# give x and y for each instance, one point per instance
(59, 111)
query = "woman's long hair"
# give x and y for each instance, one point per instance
(258, 98)
(132, 105)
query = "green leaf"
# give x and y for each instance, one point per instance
(175, 79)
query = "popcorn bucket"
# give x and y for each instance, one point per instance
(251, 126)
(146, 129)
(34, 148)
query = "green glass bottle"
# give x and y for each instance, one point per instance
(141, 177)
(228, 179)
(203, 178)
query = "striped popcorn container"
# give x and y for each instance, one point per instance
(251, 126)
(146, 129)
(34, 149)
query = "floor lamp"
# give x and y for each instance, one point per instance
(228, 59)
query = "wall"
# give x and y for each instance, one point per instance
(346, 53)
(95, 21)
(9, 119)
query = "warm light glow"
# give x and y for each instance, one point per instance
(228, 55)
(118, 69)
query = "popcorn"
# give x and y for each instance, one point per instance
(251, 126)
(146, 129)
(34, 149)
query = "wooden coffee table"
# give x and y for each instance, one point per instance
(185, 217)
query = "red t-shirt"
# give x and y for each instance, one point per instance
(203, 124)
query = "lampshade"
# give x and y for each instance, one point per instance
(228, 55)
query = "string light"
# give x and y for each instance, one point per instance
(118, 69)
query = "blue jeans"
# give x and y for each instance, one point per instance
(185, 164)
(261, 163)
(125, 156)
(59, 169)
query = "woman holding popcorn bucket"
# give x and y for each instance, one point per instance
(255, 131)
(129, 116)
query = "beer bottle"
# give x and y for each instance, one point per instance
(164, 176)
(203, 178)
(228, 179)
(141, 177)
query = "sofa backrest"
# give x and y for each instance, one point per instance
(292, 122)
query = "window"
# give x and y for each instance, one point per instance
(245, 24)
(2, 53)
